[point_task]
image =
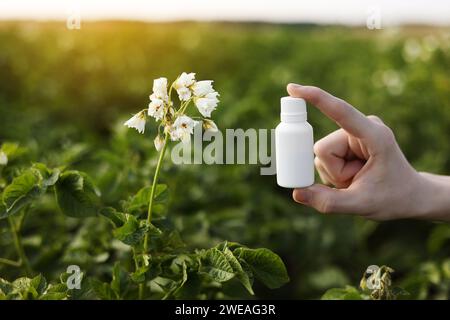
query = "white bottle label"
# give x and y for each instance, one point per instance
(294, 155)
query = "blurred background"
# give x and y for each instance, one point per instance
(72, 72)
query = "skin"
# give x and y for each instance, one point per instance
(363, 170)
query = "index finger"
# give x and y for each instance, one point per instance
(345, 115)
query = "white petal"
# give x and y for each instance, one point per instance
(184, 93)
(156, 109)
(137, 122)
(202, 88)
(205, 106)
(174, 134)
(183, 128)
(160, 88)
(213, 96)
(185, 80)
(159, 142)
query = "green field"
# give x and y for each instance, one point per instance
(64, 96)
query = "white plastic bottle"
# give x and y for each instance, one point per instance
(294, 145)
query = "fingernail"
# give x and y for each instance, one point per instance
(294, 85)
(302, 195)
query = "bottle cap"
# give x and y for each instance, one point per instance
(293, 109)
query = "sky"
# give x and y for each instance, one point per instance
(354, 12)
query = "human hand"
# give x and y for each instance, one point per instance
(364, 163)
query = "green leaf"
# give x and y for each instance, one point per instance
(120, 280)
(13, 150)
(182, 281)
(161, 193)
(76, 195)
(22, 191)
(132, 232)
(228, 244)
(265, 265)
(191, 287)
(54, 296)
(5, 287)
(39, 283)
(3, 211)
(117, 218)
(50, 177)
(22, 286)
(153, 231)
(102, 289)
(55, 292)
(168, 242)
(215, 264)
(139, 202)
(27, 288)
(347, 293)
(240, 273)
(139, 275)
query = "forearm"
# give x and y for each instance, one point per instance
(435, 197)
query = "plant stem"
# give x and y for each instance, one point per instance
(141, 291)
(183, 107)
(136, 266)
(19, 247)
(150, 203)
(11, 262)
(152, 191)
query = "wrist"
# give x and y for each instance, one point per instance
(432, 197)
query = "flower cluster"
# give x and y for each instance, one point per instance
(174, 121)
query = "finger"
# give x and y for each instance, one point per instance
(323, 174)
(357, 148)
(375, 119)
(346, 116)
(335, 144)
(342, 179)
(333, 154)
(327, 200)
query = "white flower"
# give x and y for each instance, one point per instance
(3, 158)
(182, 84)
(182, 129)
(202, 88)
(209, 126)
(184, 93)
(156, 109)
(207, 104)
(159, 142)
(185, 80)
(137, 121)
(160, 89)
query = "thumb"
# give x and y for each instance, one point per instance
(325, 199)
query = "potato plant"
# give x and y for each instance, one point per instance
(64, 97)
(160, 265)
